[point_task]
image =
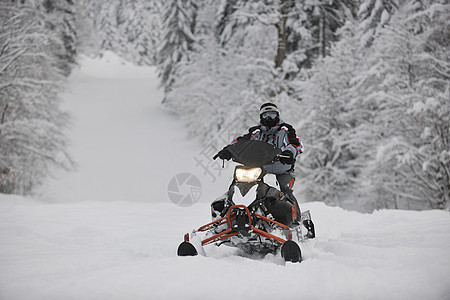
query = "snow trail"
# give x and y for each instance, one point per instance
(109, 231)
(126, 147)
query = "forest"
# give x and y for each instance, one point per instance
(365, 83)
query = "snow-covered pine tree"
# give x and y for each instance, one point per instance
(332, 123)
(85, 29)
(239, 29)
(154, 9)
(297, 34)
(411, 169)
(226, 24)
(138, 37)
(324, 18)
(373, 15)
(31, 122)
(131, 29)
(177, 40)
(304, 29)
(385, 116)
(252, 13)
(62, 19)
(105, 21)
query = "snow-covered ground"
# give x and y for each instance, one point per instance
(110, 231)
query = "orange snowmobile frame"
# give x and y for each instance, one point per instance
(227, 233)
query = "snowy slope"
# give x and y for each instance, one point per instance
(109, 231)
(126, 147)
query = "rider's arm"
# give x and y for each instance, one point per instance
(253, 134)
(291, 140)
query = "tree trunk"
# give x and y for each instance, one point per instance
(322, 35)
(2, 119)
(281, 49)
(282, 35)
(4, 114)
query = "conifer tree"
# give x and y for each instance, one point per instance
(374, 14)
(412, 91)
(32, 139)
(332, 121)
(178, 38)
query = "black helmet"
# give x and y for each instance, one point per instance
(269, 114)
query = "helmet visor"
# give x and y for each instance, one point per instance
(269, 114)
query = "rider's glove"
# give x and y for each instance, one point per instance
(224, 154)
(289, 159)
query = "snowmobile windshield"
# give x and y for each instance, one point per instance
(253, 153)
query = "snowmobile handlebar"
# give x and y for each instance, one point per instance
(251, 153)
(277, 157)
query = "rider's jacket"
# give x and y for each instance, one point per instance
(282, 136)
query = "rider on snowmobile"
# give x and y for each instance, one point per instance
(282, 135)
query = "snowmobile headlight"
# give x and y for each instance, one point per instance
(247, 174)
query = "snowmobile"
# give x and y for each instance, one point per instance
(253, 215)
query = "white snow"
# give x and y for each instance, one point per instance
(109, 230)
